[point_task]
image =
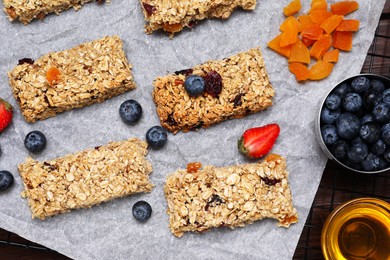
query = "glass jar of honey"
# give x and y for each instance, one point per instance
(356, 230)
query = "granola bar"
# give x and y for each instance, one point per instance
(86, 178)
(89, 73)
(230, 196)
(173, 16)
(245, 89)
(26, 11)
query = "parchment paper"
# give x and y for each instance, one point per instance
(109, 231)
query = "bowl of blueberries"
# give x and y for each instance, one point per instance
(353, 126)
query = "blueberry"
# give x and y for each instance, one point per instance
(6, 180)
(35, 141)
(360, 84)
(348, 126)
(194, 85)
(371, 162)
(370, 132)
(386, 96)
(329, 116)
(333, 101)
(377, 85)
(356, 140)
(142, 211)
(329, 134)
(357, 152)
(371, 98)
(342, 90)
(352, 102)
(386, 155)
(130, 111)
(379, 147)
(156, 137)
(367, 118)
(340, 149)
(381, 113)
(386, 133)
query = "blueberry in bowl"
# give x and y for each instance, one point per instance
(353, 125)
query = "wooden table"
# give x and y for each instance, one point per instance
(337, 185)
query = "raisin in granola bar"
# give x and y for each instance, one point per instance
(89, 73)
(173, 16)
(86, 178)
(230, 196)
(237, 86)
(26, 11)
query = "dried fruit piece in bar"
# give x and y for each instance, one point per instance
(26, 11)
(231, 196)
(173, 16)
(235, 87)
(96, 70)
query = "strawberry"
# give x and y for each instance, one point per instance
(5, 114)
(258, 141)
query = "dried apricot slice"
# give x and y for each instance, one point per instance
(293, 7)
(291, 19)
(305, 21)
(299, 53)
(348, 25)
(331, 56)
(321, 46)
(331, 23)
(312, 32)
(53, 75)
(300, 71)
(318, 16)
(318, 5)
(307, 42)
(289, 36)
(344, 7)
(274, 44)
(320, 70)
(342, 40)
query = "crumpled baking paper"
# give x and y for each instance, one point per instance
(109, 231)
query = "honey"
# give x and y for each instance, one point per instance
(357, 230)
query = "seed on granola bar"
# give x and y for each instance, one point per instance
(25, 60)
(193, 167)
(149, 8)
(53, 75)
(213, 83)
